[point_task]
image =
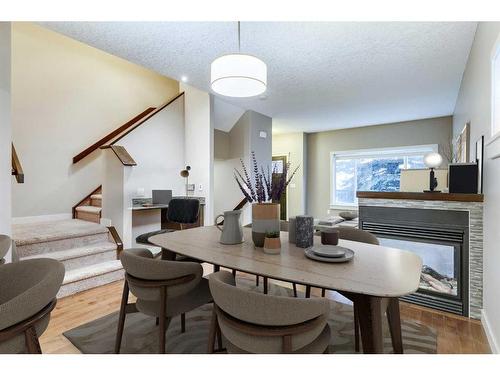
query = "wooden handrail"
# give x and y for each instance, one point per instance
(240, 205)
(117, 239)
(17, 169)
(87, 198)
(111, 135)
(145, 118)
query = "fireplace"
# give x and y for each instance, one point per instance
(440, 238)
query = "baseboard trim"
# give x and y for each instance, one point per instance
(489, 333)
(40, 218)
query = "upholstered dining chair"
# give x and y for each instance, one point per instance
(28, 292)
(164, 289)
(250, 322)
(181, 211)
(5, 242)
(356, 235)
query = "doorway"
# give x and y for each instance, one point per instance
(278, 165)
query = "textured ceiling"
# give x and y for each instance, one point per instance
(321, 76)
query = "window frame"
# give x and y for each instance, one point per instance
(401, 151)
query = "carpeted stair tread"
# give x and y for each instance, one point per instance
(53, 230)
(76, 252)
(89, 209)
(91, 271)
(96, 196)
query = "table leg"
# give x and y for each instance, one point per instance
(370, 311)
(394, 318)
(167, 254)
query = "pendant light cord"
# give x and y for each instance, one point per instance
(239, 37)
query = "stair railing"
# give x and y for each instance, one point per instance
(17, 169)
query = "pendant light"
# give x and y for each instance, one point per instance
(238, 75)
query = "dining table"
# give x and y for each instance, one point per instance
(373, 279)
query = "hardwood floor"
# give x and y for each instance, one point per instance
(455, 335)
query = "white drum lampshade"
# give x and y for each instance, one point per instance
(238, 75)
(433, 160)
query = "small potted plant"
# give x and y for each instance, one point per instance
(272, 243)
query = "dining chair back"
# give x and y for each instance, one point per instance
(257, 323)
(357, 235)
(163, 288)
(28, 292)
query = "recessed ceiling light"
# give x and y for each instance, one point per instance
(184, 79)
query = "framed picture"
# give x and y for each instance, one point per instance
(461, 146)
(479, 160)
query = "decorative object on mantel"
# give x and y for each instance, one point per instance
(263, 192)
(272, 243)
(232, 232)
(185, 174)
(292, 229)
(432, 160)
(348, 215)
(479, 161)
(304, 236)
(463, 178)
(461, 146)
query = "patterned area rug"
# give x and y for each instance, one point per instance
(141, 333)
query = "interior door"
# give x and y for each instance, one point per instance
(278, 165)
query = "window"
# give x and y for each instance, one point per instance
(372, 170)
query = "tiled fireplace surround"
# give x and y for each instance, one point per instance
(475, 210)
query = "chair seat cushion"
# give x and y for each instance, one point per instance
(144, 238)
(197, 297)
(317, 346)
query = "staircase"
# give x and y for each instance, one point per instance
(90, 207)
(86, 249)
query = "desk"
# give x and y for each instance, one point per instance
(374, 279)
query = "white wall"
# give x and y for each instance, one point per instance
(199, 145)
(5, 130)
(244, 138)
(157, 146)
(65, 96)
(474, 105)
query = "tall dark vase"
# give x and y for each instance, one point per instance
(265, 218)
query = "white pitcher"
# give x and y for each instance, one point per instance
(232, 232)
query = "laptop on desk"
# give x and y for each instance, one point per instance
(162, 196)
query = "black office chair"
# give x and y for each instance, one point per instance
(181, 211)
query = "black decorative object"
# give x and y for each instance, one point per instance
(479, 161)
(304, 235)
(463, 178)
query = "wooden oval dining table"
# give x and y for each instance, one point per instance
(373, 279)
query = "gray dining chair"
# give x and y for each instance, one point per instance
(28, 292)
(164, 289)
(5, 243)
(249, 322)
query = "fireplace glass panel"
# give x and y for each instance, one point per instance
(438, 264)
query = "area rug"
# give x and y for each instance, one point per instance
(141, 333)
